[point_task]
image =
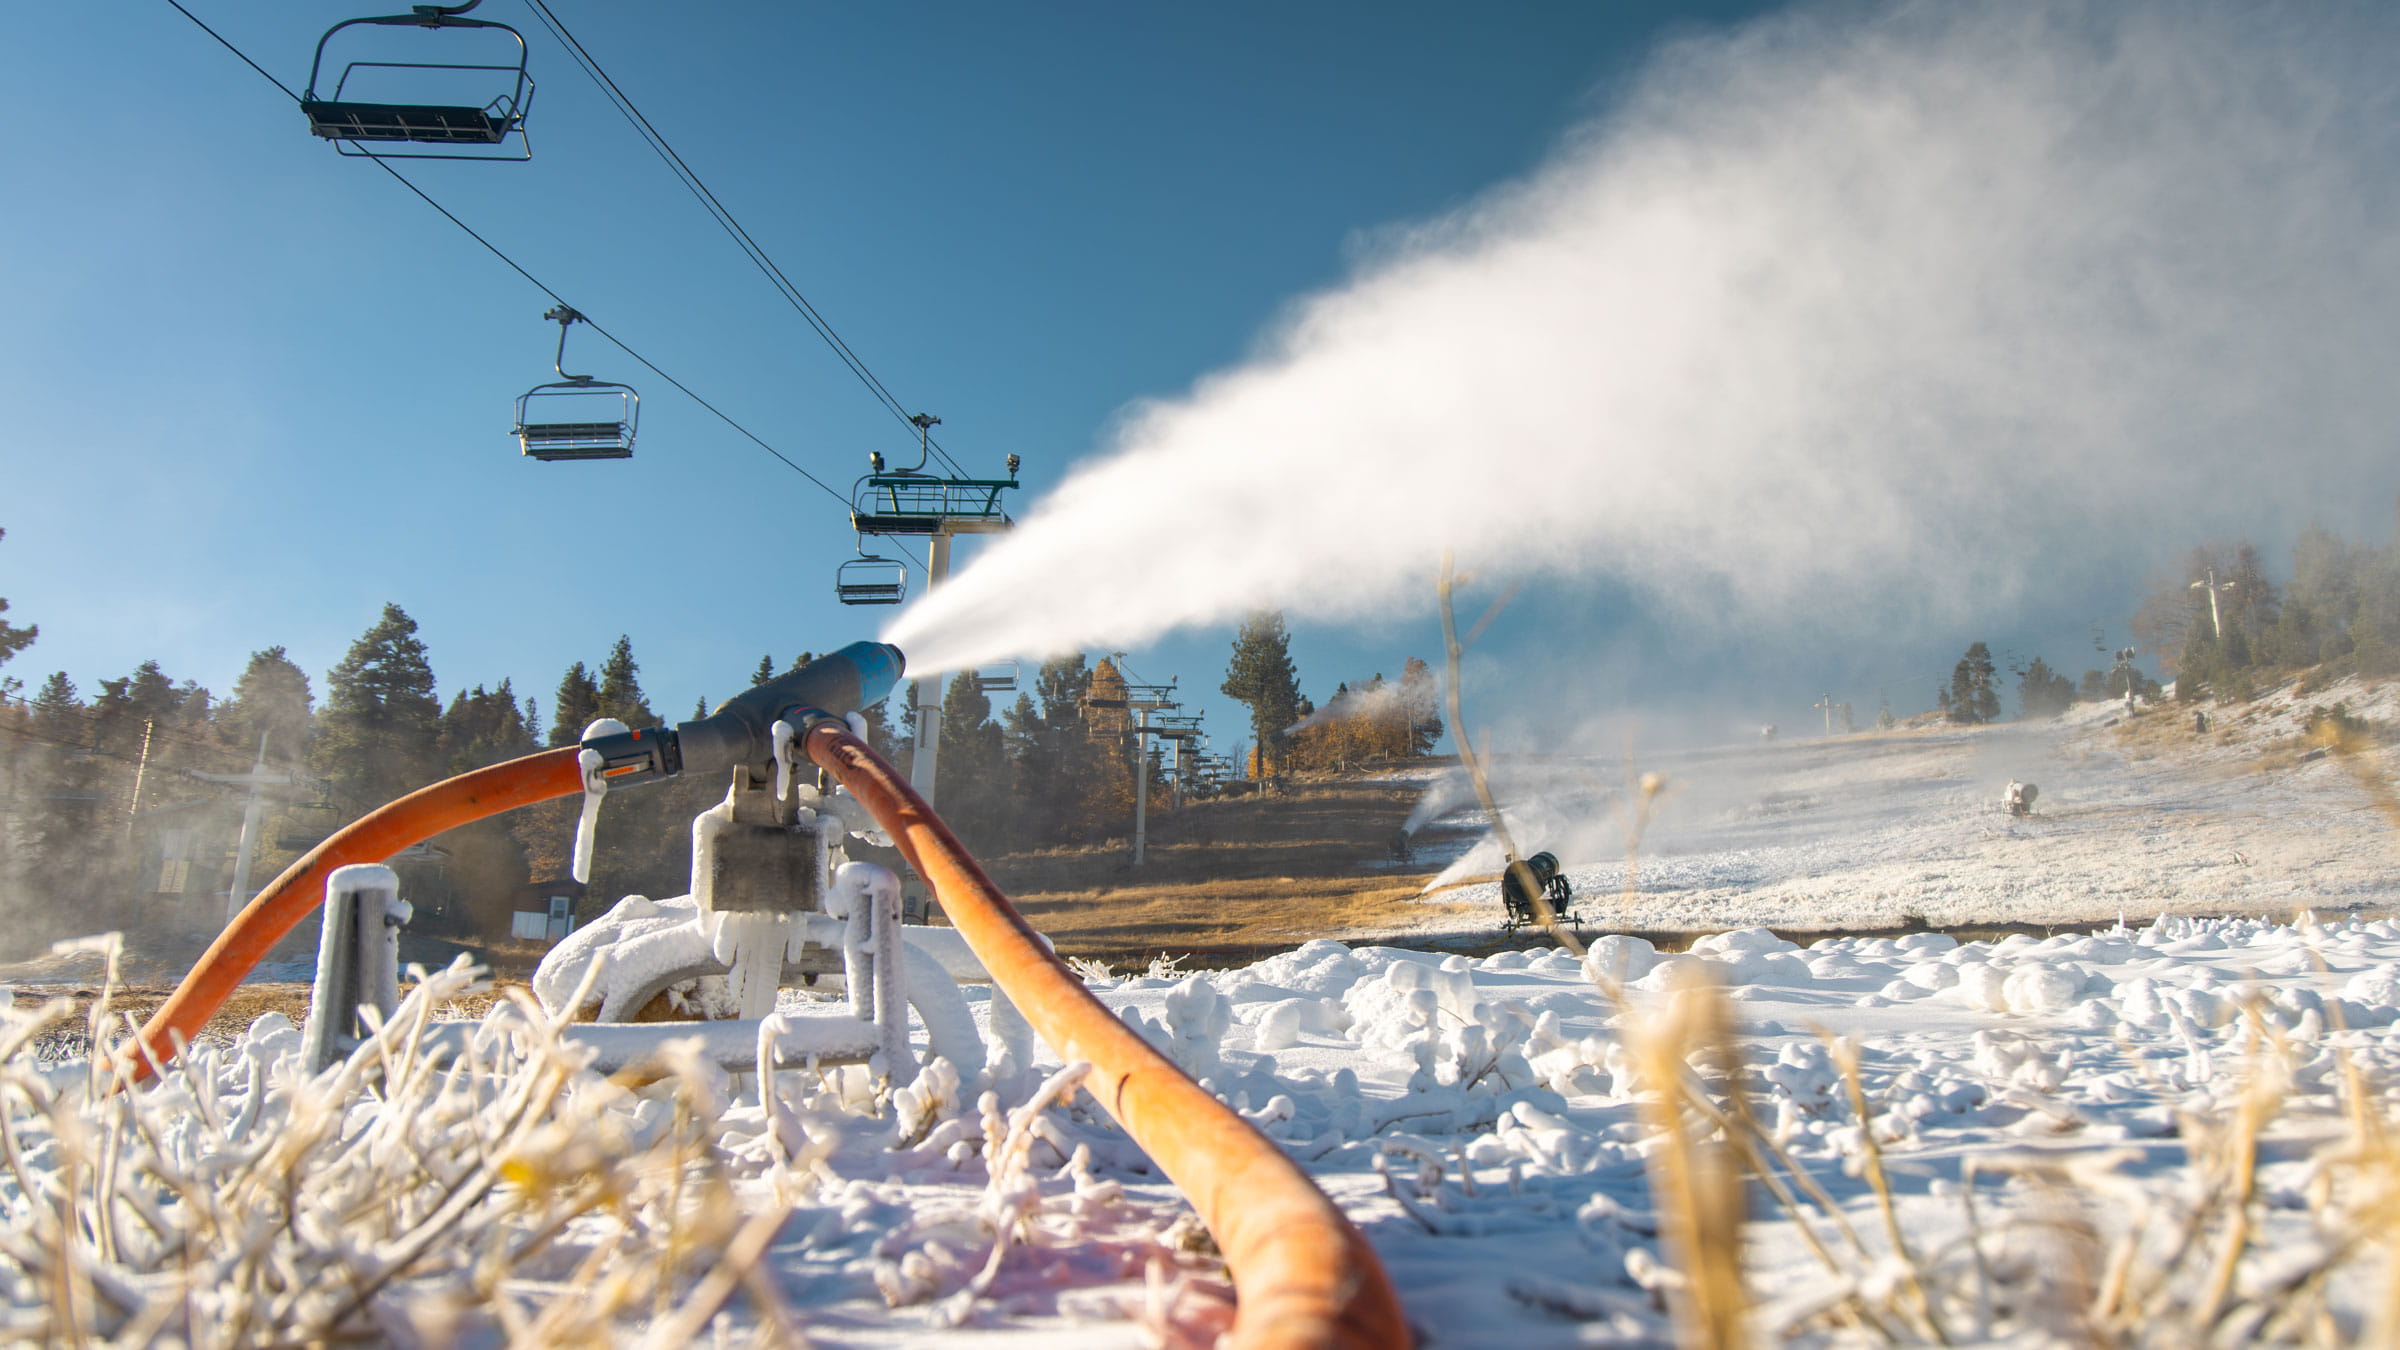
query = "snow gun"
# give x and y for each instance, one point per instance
(742, 729)
(1305, 1277)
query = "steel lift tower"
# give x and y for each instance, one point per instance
(913, 501)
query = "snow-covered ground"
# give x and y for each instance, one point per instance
(2065, 1124)
(1899, 829)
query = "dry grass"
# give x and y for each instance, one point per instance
(68, 1036)
(1232, 877)
(494, 1195)
(1223, 919)
(2163, 729)
(2082, 1255)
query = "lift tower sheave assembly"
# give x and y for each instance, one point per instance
(938, 509)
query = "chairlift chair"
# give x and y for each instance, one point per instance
(869, 580)
(576, 416)
(466, 129)
(1000, 677)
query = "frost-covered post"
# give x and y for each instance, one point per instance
(358, 959)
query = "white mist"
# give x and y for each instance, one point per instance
(1870, 314)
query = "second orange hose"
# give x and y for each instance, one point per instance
(1304, 1275)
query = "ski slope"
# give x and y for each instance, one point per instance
(1892, 830)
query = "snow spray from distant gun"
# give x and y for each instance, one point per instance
(1850, 315)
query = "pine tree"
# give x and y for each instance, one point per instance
(970, 785)
(1027, 769)
(128, 708)
(576, 706)
(12, 638)
(1049, 750)
(1100, 781)
(481, 729)
(881, 738)
(1262, 676)
(903, 753)
(1974, 697)
(271, 699)
(1063, 684)
(764, 673)
(2322, 601)
(56, 846)
(379, 736)
(2252, 603)
(57, 710)
(478, 887)
(1421, 698)
(620, 693)
(2043, 692)
(1382, 731)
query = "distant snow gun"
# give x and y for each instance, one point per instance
(1520, 882)
(1304, 1275)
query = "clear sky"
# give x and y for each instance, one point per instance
(253, 390)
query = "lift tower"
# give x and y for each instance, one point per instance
(914, 501)
(1143, 700)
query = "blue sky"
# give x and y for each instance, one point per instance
(254, 390)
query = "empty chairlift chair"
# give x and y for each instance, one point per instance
(470, 109)
(576, 416)
(869, 580)
(1000, 677)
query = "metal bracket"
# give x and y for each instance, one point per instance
(758, 856)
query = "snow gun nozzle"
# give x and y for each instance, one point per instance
(742, 729)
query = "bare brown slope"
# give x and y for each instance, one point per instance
(1236, 875)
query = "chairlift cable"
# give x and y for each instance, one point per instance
(287, 93)
(229, 754)
(724, 218)
(537, 282)
(595, 326)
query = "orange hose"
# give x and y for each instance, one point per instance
(1305, 1276)
(297, 893)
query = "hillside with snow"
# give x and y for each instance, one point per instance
(2137, 816)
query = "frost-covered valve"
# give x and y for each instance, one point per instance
(753, 853)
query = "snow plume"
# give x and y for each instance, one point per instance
(1862, 314)
(1380, 700)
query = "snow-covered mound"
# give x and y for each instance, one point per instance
(1485, 1121)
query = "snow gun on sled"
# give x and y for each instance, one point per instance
(765, 897)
